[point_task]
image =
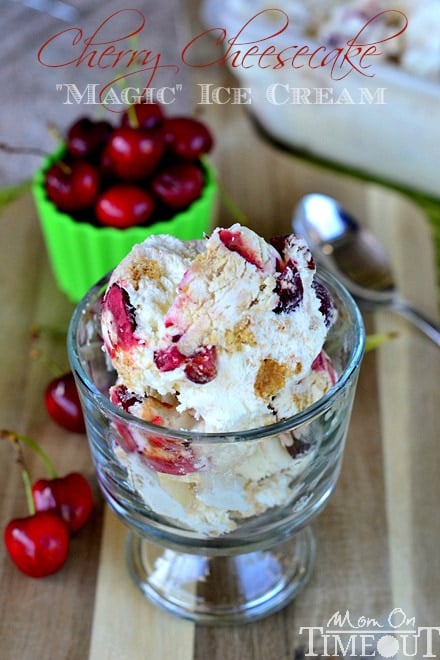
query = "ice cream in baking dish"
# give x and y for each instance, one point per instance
(416, 50)
(217, 335)
(380, 120)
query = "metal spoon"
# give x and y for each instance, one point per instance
(360, 262)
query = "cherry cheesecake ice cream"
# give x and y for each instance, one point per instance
(217, 335)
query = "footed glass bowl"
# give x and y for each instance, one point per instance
(218, 523)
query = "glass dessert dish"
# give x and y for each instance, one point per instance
(191, 546)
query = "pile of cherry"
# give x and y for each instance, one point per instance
(147, 168)
(59, 507)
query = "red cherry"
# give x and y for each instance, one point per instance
(38, 544)
(178, 184)
(187, 137)
(72, 186)
(146, 115)
(86, 137)
(133, 153)
(168, 359)
(105, 166)
(201, 367)
(123, 398)
(322, 362)
(169, 456)
(122, 319)
(326, 306)
(70, 497)
(63, 404)
(289, 288)
(124, 205)
(233, 240)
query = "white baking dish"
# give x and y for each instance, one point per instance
(387, 126)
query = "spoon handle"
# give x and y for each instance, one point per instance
(418, 318)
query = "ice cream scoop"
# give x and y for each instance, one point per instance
(218, 335)
(227, 329)
(355, 255)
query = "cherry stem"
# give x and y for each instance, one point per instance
(28, 490)
(375, 340)
(132, 116)
(17, 438)
(14, 438)
(54, 132)
(64, 167)
(131, 110)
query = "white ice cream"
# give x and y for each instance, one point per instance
(210, 326)
(218, 335)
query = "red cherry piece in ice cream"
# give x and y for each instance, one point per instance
(86, 137)
(70, 497)
(124, 205)
(322, 362)
(146, 115)
(289, 288)
(117, 302)
(169, 455)
(168, 359)
(38, 544)
(73, 186)
(63, 405)
(187, 137)
(134, 153)
(233, 240)
(178, 184)
(202, 366)
(326, 304)
(122, 397)
(279, 243)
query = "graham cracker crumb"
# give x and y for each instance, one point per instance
(298, 369)
(271, 378)
(149, 268)
(239, 335)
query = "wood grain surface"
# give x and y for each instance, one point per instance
(378, 537)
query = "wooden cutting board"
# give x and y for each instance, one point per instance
(378, 538)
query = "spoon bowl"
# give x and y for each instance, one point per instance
(341, 245)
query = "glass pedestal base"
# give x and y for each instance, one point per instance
(221, 589)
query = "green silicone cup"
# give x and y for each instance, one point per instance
(81, 253)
